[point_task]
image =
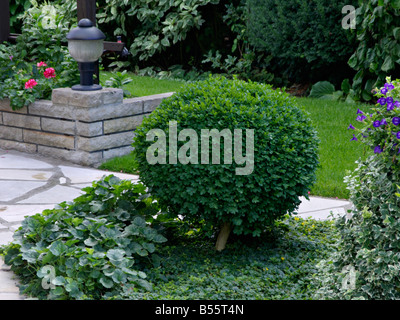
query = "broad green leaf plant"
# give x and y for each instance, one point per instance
(160, 23)
(95, 247)
(378, 50)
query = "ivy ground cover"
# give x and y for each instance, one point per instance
(279, 266)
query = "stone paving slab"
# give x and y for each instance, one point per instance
(10, 190)
(54, 195)
(6, 237)
(14, 161)
(15, 174)
(16, 213)
(320, 208)
(8, 284)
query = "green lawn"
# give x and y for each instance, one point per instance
(145, 86)
(337, 152)
(330, 118)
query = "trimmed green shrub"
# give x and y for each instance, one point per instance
(304, 37)
(91, 248)
(285, 155)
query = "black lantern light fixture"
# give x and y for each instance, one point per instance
(86, 45)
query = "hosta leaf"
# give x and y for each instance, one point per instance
(321, 88)
(388, 64)
(107, 282)
(119, 276)
(115, 254)
(140, 222)
(159, 238)
(149, 247)
(145, 284)
(31, 256)
(57, 248)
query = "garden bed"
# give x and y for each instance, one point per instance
(85, 128)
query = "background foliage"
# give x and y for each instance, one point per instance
(304, 39)
(263, 40)
(378, 49)
(42, 38)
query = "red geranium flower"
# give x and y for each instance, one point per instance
(30, 84)
(41, 64)
(49, 73)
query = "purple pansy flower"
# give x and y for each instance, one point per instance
(389, 86)
(389, 100)
(390, 106)
(396, 121)
(383, 122)
(382, 101)
(398, 135)
(359, 111)
(397, 104)
(384, 91)
(354, 138)
(361, 118)
(350, 127)
(377, 149)
(376, 123)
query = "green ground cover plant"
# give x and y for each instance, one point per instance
(280, 265)
(90, 248)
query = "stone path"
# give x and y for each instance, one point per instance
(30, 184)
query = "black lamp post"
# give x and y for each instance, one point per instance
(86, 45)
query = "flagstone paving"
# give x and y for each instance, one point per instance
(30, 184)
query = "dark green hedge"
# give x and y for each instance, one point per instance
(304, 37)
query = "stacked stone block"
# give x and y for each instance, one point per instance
(84, 127)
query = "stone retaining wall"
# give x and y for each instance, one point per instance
(86, 128)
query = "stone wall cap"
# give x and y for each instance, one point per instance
(70, 97)
(151, 97)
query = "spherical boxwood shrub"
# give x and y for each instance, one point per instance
(245, 196)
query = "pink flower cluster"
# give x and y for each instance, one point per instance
(48, 74)
(30, 84)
